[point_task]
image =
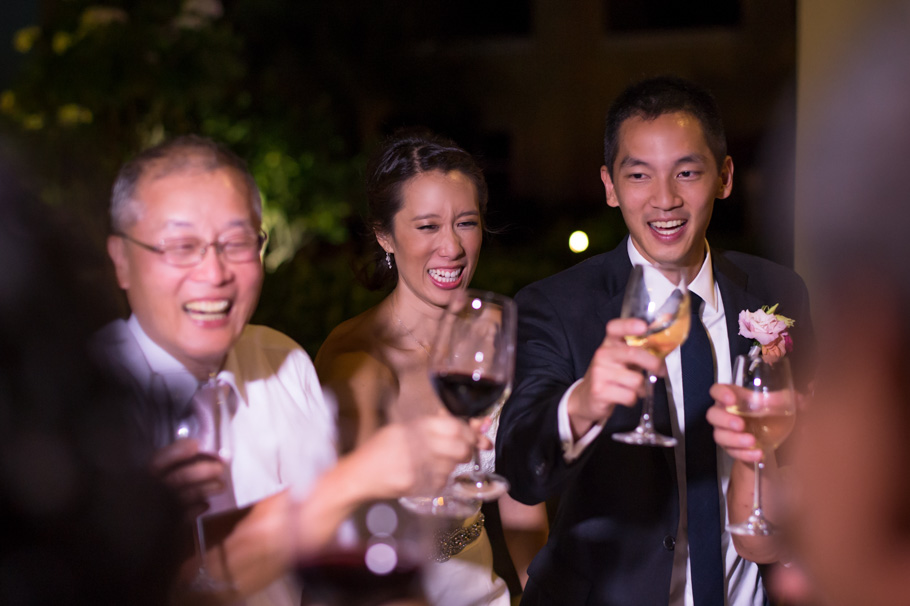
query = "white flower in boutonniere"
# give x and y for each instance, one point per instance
(769, 330)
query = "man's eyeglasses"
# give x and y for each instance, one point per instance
(186, 252)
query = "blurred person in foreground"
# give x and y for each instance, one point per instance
(186, 247)
(428, 201)
(640, 524)
(846, 493)
(83, 522)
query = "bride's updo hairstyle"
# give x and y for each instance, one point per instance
(402, 156)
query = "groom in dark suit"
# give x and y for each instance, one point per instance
(636, 524)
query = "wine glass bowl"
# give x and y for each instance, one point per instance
(668, 317)
(471, 367)
(467, 397)
(208, 424)
(767, 403)
(376, 557)
(769, 417)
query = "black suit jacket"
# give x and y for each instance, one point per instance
(612, 539)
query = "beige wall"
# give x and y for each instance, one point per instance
(825, 30)
(821, 26)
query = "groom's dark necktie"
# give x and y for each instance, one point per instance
(703, 502)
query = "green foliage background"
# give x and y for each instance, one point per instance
(99, 83)
(291, 87)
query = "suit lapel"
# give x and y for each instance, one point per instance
(734, 291)
(615, 271)
(608, 296)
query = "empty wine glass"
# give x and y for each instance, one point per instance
(668, 321)
(767, 403)
(208, 424)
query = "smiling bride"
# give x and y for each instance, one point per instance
(427, 198)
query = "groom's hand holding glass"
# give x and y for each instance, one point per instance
(614, 376)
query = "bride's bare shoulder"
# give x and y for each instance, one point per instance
(354, 346)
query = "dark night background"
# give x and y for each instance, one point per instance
(303, 90)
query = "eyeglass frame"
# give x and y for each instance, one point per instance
(262, 237)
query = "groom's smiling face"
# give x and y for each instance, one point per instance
(665, 180)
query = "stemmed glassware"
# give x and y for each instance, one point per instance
(211, 429)
(767, 403)
(668, 321)
(472, 366)
(376, 558)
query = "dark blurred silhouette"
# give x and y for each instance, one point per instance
(84, 524)
(852, 529)
(849, 532)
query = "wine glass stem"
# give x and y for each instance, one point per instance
(647, 404)
(475, 461)
(756, 504)
(200, 542)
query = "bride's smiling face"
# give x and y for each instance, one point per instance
(436, 235)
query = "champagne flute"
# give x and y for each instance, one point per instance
(767, 403)
(471, 367)
(668, 326)
(208, 423)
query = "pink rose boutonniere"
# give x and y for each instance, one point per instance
(769, 330)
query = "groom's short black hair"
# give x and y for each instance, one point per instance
(654, 97)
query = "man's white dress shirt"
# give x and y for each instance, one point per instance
(283, 432)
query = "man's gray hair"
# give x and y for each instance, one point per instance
(182, 154)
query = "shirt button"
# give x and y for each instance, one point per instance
(669, 543)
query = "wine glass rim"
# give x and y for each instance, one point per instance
(766, 379)
(485, 295)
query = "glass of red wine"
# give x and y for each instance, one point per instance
(471, 368)
(376, 558)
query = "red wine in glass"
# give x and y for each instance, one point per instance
(467, 397)
(376, 558)
(344, 579)
(471, 367)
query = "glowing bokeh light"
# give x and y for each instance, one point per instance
(578, 241)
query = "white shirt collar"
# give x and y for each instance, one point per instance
(181, 383)
(702, 285)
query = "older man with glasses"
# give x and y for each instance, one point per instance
(186, 245)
